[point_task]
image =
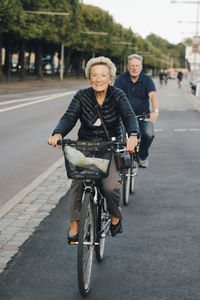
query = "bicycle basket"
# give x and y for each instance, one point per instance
(80, 166)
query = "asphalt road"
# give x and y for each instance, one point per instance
(27, 119)
(157, 255)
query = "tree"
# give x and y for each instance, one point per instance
(10, 20)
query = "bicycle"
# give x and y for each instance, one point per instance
(127, 176)
(95, 220)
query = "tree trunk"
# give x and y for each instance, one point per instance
(38, 62)
(21, 61)
(67, 62)
(8, 61)
(1, 73)
(79, 70)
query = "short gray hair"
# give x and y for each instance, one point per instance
(137, 56)
(101, 60)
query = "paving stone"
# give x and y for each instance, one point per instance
(41, 214)
(17, 241)
(8, 247)
(12, 215)
(33, 207)
(7, 253)
(4, 260)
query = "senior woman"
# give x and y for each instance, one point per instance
(114, 106)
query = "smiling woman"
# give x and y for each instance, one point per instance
(87, 105)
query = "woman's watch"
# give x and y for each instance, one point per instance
(134, 134)
(156, 110)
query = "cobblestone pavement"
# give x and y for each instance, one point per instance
(21, 221)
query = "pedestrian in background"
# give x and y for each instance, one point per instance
(166, 76)
(161, 76)
(179, 77)
(141, 93)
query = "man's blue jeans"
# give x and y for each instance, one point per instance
(147, 136)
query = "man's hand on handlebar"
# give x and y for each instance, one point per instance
(131, 143)
(54, 139)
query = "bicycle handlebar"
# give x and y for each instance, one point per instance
(143, 117)
(91, 145)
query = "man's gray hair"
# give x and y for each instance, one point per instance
(101, 60)
(137, 56)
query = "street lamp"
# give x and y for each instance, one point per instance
(95, 32)
(46, 13)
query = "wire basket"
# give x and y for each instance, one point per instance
(86, 163)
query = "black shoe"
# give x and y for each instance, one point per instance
(115, 229)
(72, 238)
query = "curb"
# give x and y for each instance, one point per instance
(29, 188)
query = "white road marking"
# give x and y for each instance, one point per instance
(158, 129)
(34, 100)
(195, 129)
(179, 129)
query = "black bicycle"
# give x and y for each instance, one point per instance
(128, 176)
(95, 220)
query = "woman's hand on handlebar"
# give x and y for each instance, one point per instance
(131, 143)
(54, 139)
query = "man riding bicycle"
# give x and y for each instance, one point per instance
(140, 91)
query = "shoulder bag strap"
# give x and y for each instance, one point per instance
(102, 122)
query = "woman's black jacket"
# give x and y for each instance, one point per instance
(115, 107)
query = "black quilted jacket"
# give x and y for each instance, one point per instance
(116, 107)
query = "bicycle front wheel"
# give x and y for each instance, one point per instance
(103, 225)
(125, 185)
(133, 174)
(85, 245)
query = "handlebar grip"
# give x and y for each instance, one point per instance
(59, 142)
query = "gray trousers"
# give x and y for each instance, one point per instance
(110, 189)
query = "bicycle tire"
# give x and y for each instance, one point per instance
(85, 249)
(133, 174)
(102, 227)
(125, 185)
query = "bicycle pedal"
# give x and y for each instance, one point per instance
(73, 243)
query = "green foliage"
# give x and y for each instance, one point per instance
(10, 15)
(87, 30)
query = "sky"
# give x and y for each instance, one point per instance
(171, 21)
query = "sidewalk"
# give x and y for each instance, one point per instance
(30, 85)
(24, 212)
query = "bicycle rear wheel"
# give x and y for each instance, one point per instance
(133, 173)
(85, 245)
(102, 228)
(125, 185)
